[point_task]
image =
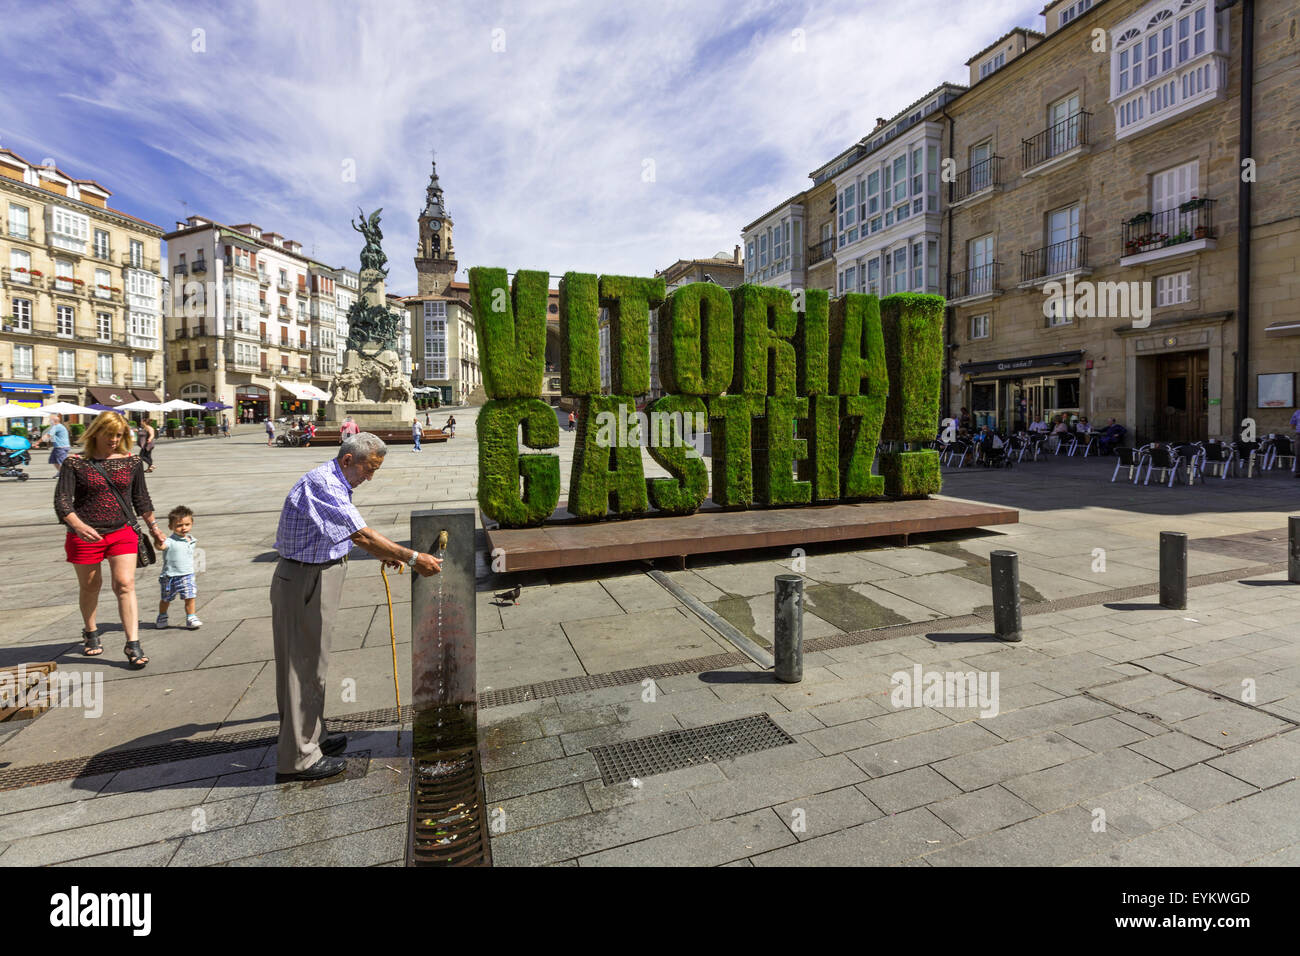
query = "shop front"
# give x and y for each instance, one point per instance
(252, 403)
(298, 399)
(29, 395)
(1010, 394)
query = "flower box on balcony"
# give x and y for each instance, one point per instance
(19, 269)
(78, 281)
(106, 288)
(1193, 203)
(38, 273)
(1139, 219)
(1202, 232)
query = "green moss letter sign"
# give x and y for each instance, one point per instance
(796, 392)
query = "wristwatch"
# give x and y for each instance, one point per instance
(414, 555)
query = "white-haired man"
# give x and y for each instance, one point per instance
(318, 527)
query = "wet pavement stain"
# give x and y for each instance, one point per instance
(736, 610)
(1028, 594)
(840, 605)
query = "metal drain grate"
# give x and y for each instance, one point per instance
(676, 749)
(448, 826)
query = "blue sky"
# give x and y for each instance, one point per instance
(548, 117)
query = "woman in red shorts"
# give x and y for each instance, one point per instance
(98, 529)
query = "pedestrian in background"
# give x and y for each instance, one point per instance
(225, 426)
(270, 433)
(416, 433)
(60, 445)
(145, 436)
(319, 524)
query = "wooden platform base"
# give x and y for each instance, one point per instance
(571, 543)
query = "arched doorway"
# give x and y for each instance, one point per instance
(195, 392)
(252, 403)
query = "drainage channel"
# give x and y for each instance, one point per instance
(448, 825)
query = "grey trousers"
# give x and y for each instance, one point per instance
(304, 603)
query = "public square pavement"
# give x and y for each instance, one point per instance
(1121, 738)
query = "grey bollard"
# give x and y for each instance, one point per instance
(444, 633)
(787, 649)
(1004, 568)
(1293, 549)
(1173, 570)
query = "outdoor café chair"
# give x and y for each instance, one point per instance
(1168, 461)
(958, 451)
(1247, 455)
(1279, 448)
(1217, 459)
(1131, 459)
(1087, 442)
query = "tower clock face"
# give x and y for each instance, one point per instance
(435, 224)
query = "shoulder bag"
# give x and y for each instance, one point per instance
(144, 551)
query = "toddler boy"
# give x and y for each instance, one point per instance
(177, 577)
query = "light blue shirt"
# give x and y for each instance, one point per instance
(59, 436)
(178, 556)
(318, 518)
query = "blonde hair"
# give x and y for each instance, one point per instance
(107, 422)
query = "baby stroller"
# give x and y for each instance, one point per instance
(13, 454)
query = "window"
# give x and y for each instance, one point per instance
(993, 63)
(979, 260)
(1171, 188)
(918, 267)
(137, 253)
(104, 369)
(23, 361)
(932, 266)
(900, 269)
(103, 283)
(142, 325)
(900, 179)
(19, 226)
(22, 315)
(138, 371)
(1173, 289)
(1072, 11)
(103, 326)
(20, 266)
(873, 275)
(143, 284)
(979, 326)
(63, 275)
(918, 171)
(435, 340)
(873, 193)
(64, 321)
(67, 364)
(69, 230)
(101, 244)
(1063, 124)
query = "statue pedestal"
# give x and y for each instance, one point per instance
(371, 388)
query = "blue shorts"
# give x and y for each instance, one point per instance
(180, 585)
(57, 455)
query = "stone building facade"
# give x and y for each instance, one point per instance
(1094, 225)
(81, 288)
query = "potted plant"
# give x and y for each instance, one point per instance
(1131, 247)
(1193, 203)
(191, 425)
(1140, 218)
(209, 424)
(1184, 236)
(173, 426)
(1202, 232)
(75, 431)
(37, 273)
(18, 430)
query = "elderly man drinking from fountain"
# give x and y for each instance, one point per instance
(318, 527)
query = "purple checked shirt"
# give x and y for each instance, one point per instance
(318, 517)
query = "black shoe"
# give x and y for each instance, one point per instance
(334, 744)
(325, 767)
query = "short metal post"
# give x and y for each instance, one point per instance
(787, 647)
(1173, 570)
(1293, 548)
(1005, 570)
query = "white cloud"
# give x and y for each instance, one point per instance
(541, 148)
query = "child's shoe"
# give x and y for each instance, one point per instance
(193, 623)
(160, 622)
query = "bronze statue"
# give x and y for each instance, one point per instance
(372, 254)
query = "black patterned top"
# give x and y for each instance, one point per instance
(82, 488)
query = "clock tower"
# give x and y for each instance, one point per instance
(435, 258)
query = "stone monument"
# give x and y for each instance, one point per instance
(370, 386)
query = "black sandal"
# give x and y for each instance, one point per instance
(90, 643)
(135, 654)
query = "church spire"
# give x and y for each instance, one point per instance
(433, 206)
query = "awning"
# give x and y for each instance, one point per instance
(305, 392)
(1290, 327)
(1025, 362)
(102, 395)
(26, 387)
(144, 395)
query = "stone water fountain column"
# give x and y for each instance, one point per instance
(448, 823)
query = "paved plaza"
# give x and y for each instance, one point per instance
(1125, 733)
